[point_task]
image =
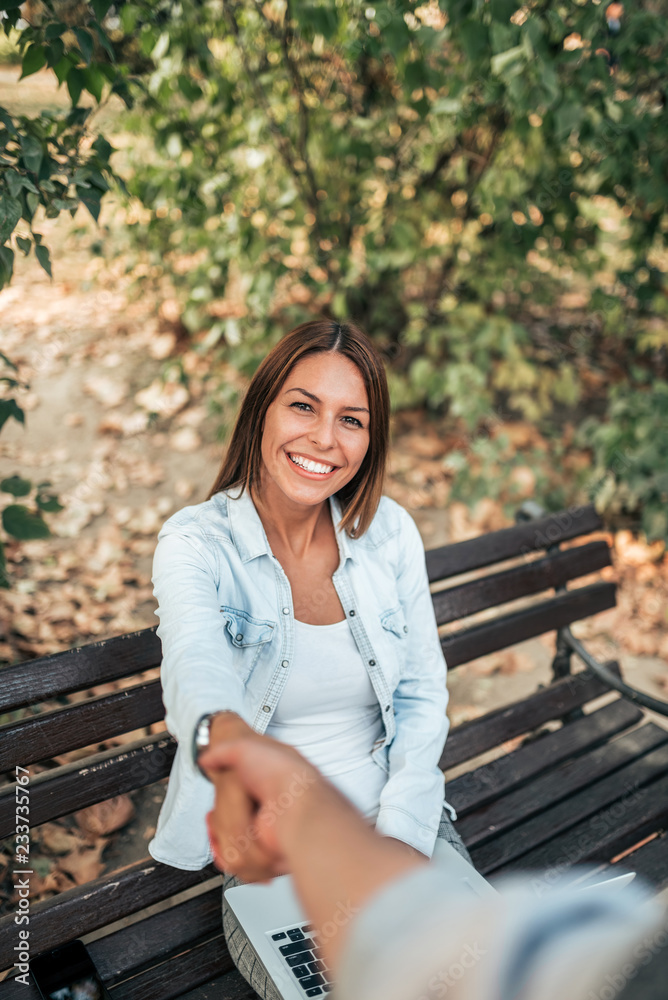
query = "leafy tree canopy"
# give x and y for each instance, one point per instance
(480, 184)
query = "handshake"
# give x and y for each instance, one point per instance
(415, 935)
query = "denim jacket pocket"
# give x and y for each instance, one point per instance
(248, 637)
(394, 621)
(245, 630)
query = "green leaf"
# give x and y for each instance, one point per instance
(44, 258)
(63, 69)
(94, 81)
(4, 579)
(19, 522)
(14, 182)
(474, 39)
(85, 40)
(32, 153)
(91, 199)
(55, 30)
(10, 213)
(48, 502)
(33, 60)
(32, 202)
(101, 8)
(16, 486)
(76, 82)
(6, 271)
(23, 245)
(10, 408)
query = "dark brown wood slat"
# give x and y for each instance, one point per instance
(150, 940)
(509, 543)
(231, 986)
(625, 790)
(521, 581)
(184, 972)
(650, 862)
(77, 669)
(548, 790)
(492, 730)
(469, 644)
(42, 737)
(84, 909)
(156, 937)
(486, 783)
(600, 836)
(74, 786)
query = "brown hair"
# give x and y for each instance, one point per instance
(243, 461)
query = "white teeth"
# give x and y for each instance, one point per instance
(306, 463)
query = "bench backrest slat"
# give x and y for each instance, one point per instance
(511, 543)
(469, 644)
(42, 737)
(99, 903)
(77, 669)
(534, 577)
(74, 786)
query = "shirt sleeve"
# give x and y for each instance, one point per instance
(424, 937)
(195, 677)
(420, 701)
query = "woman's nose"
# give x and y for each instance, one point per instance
(322, 434)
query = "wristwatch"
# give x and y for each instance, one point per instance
(202, 735)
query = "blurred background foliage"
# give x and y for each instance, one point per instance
(481, 185)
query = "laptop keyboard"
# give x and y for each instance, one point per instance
(299, 949)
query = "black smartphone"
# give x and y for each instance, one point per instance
(68, 973)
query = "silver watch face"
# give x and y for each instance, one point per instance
(203, 734)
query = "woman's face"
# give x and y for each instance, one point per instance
(316, 431)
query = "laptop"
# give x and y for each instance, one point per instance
(287, 944)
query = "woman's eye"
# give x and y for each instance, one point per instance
(354, 422)
(299, 405)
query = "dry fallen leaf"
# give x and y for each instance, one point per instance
(84, 864)
(58, 840)
(105, 817)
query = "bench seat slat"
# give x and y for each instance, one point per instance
(489, 781)
(469, 644)
(231, 986)
(650, 862)
(96, 904)
(548, 790)
(509, 543)
(77, 669)
(551, 572)
(154, 938)
(196, 966)
(42, 737)
(602, 836)
(471, 739)
(626, 789)
(65, 789)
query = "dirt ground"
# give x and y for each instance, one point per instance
(118, 420)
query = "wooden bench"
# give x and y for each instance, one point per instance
(587, 784)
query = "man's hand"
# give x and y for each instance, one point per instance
(233, 831)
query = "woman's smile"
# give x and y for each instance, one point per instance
(316, 431)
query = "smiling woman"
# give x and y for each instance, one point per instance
(294, 602)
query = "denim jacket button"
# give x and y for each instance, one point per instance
(387, 708)
(285, 663)
(286, 611)
(405, 628)
(372, 663)
(239, 637)
(351, 613)
(265, 708)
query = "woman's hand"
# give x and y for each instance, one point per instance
(239, 848)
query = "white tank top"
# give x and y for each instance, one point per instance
(329, 711)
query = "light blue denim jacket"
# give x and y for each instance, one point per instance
(227, 631)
